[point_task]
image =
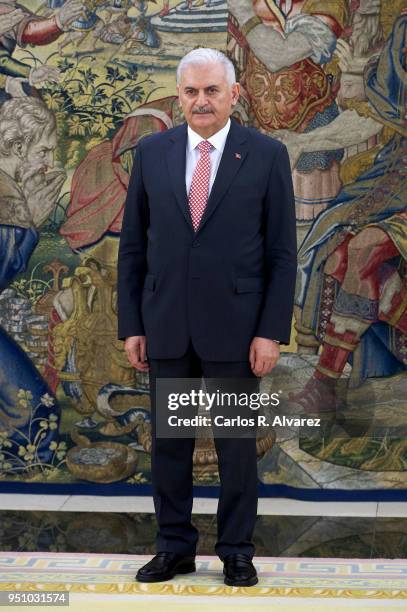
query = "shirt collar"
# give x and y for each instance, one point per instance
(217, 140)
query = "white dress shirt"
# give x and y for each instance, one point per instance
(192, 153)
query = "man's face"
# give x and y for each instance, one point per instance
(206, 97)
(40, 154)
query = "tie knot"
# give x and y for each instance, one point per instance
(204, 146)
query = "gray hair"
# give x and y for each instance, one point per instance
(204, 55)
(24, 120)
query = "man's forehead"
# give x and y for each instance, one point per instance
(203, 75)
(46, 139)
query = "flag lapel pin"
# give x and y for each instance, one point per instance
(238, 156)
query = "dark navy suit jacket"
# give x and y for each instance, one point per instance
(231, 280)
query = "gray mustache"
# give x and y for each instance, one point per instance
(200, 111)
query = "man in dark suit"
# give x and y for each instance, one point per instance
(206, 275)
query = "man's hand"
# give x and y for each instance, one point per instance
(43, 74)
(135, 347)
(241, 9)
(263, 356)
(41, 191)
(70, 12)
(347, 60)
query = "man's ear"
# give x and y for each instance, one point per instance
(19, 149)
(236, 93)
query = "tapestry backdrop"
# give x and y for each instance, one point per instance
(80, 84)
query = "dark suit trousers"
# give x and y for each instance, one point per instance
(171, 469)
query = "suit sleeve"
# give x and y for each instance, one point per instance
(131, 261)
(280, 251)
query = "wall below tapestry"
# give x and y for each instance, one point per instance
(80, 84)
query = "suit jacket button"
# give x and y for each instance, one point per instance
(196, 244)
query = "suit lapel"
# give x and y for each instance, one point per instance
(176, 154)
(231, 161)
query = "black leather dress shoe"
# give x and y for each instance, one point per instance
(239, 570)
(164, 566)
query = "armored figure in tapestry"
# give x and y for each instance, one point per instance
(282, 48)
(352, 283)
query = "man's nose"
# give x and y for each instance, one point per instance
(201, 99)
(49, 159)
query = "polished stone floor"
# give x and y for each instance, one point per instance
(134, 533)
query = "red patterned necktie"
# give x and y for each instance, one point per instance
(199, 190)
